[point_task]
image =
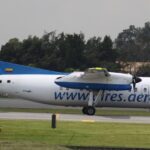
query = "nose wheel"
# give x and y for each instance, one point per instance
(89, 110)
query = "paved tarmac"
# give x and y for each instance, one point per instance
(20, 103)
(69, 117)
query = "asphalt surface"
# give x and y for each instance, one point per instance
(20, 103)
(66, 117)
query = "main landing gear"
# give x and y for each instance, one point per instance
(90, 109)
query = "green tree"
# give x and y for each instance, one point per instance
(126, 44)
(31, 51)
(61, 52)
(134, 43)
(74, 48)
(101, 53)
(92, 51)
(144, 71)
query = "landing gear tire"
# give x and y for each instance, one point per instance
(89, 110)
(84, 110)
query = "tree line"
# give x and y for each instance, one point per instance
(133, 44)
(68, 52)
(62, 52)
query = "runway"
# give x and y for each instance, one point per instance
(69, 117)
(19, 103)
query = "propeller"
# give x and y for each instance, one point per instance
(135, 80)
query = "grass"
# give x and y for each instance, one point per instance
(31, 135)
(101, 112)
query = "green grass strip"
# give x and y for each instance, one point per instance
(19, 134)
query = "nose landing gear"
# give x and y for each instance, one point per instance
(90, 109)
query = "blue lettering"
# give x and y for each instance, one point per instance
(102, 97)
(71, 96)
(131, 98)
(140, 98)
(113, 97)
(120, 97)
(82, 96)
(146, 98)
(58, 96)
(107, 96)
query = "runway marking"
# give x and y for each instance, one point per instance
(87, 120)
(57, 116)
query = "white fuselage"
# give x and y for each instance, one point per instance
(43, 89)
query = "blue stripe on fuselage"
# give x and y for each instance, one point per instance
(94, 86)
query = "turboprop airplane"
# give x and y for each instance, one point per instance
(95, 87)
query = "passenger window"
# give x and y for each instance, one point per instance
(0, 81)
(61, 88)
(145, 89)
(8, 81)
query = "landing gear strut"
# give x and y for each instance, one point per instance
(90, 109)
